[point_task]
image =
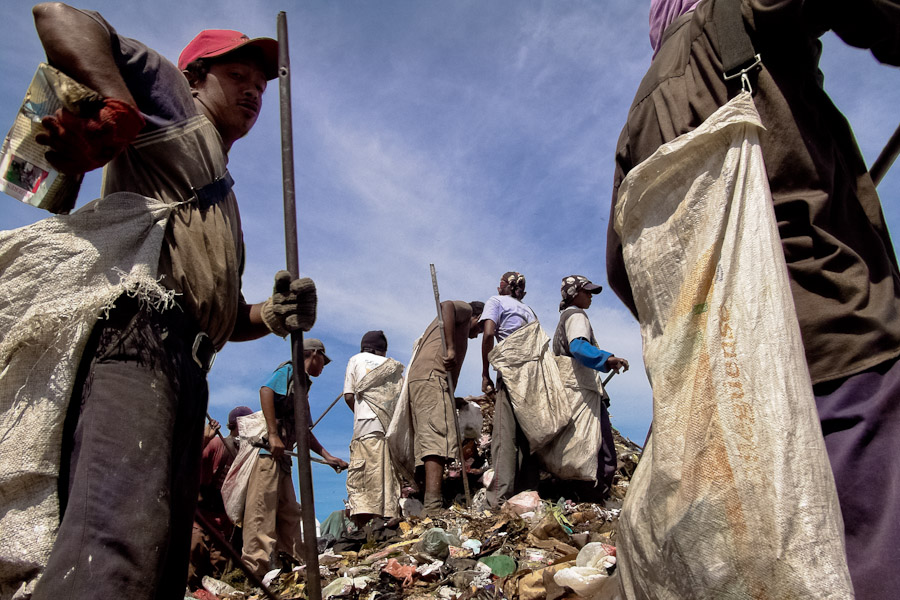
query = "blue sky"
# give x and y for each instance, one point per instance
(475, 135)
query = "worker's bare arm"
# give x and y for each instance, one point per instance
(249, 324)
(487, 344)
(79, 46)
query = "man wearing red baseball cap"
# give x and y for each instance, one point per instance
(131, 440)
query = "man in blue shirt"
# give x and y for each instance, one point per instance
(272, 517)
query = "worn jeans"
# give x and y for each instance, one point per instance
(131, 452)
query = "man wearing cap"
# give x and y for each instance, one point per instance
(131, 442)
(207, 557)
(272, 518)
(373, 488)
(574, 337)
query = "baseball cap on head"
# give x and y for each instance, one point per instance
(210, 43)
(572, 284)
(316, 346)
(240, 411)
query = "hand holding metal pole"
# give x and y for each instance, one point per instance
(301, 389)
(462, 460)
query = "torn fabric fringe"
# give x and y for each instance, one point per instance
(59, 276)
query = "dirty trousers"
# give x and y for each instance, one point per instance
(515, 468)
(373, 487)
(432, 415)
(130, 461)
(272, 517)
(860, 419)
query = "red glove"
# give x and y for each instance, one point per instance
(82, 143)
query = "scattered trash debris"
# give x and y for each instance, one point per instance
(536, 547)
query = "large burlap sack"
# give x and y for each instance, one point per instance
(733, 497)
(525, 361)
(234, 489)
(573, 454)
(381, 388)
(57, 277)
(399, 432)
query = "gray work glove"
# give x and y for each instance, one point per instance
(292, 306)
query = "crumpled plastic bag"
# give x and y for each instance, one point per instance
(590, 575)
(436, 543)
(500, 564)
(588, 582)
(402, 572)
(219, 588)
(343, 586)
(470, 421)
(524, 502)
(596, 555)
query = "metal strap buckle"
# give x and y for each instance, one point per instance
(214, 192)
(742, 73)
(203, 352)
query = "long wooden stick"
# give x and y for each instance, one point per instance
(462, 460)
(301, 389)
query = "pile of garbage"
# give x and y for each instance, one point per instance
(533, 548)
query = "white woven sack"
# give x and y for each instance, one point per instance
(734, 496)
(573, 454)
(536, 392)
(234, 489)
(380, 389)
(399, 433)
(59, 276)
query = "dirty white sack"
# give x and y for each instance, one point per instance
(234, 488)
(733, 497)
(525, 361)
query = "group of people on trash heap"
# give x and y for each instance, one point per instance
(271, 522)
(106, 517)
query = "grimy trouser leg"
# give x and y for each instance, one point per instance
(135, 429)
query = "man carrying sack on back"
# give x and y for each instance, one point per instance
(843, 274)
(574, 337)
(372, 386)
(158, 259)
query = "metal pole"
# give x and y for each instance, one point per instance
(326, 411)
(886, 158)
(462, 460)
(254, 579)
(301, 389)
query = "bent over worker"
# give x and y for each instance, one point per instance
(434, 435)
(132, 435)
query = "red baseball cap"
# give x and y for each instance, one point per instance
(217, 42)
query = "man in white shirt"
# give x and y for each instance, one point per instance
(373, 488)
